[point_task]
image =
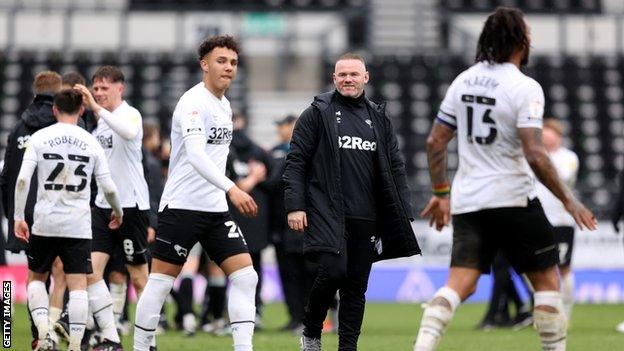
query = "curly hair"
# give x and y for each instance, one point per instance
(504, 33)
(219, 41)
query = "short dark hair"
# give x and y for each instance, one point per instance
(73, 78)
(112, 73)
(504, 32)
(352, 56)
(68, 101)
(219, 41)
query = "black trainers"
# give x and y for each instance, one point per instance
(108, 345)
(522, 320)
(61, 327)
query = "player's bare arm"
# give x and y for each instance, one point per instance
(540, 163)
(439, 205)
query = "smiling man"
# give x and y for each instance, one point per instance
(346, 190)
(120, 132)
(193, 206)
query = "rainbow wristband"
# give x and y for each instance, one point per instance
(441, 190)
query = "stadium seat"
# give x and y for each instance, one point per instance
(154, 81)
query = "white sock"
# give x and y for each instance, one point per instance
(77, 310)
(242, 307)
(90, 320)
(567, 294)
(148, 310)
(118, 294)
(54, 314)
(38, 306)
(551, 326)
(101, 304)
(435, 319)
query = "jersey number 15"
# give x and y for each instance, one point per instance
(480, 103)
(50, 185)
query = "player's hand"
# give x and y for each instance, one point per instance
(297, 221)
(583, 217)
(151, 235)
(115, 221)
(257, 170)
(87, 97)
(21, 231)
(439, 208)
(244, 203)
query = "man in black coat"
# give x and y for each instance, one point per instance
(37, 115)
(346, 189)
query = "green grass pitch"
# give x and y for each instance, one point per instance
(392, 327)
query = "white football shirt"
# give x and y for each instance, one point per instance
(487, 104)
(566, 163)
(198, 112)
(125, 161)
(66, 157)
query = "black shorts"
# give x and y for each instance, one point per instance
(179, 230)
(75, 254)
(130, 239)
(523, 234)
(115, 263)
(564, 236)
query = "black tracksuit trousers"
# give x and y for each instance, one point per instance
(347, 272)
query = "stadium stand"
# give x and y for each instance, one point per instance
(154, 81)
(547, 6)
(298, 5)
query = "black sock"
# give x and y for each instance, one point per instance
(217, 301)
(185, 296)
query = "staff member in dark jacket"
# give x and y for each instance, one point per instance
(346, 189)
(288, 244)
(37, 115)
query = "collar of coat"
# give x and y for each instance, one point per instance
(322, 102)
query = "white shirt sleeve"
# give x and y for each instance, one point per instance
(530, 105)
(126, 126)
(22, 186)
(447, 114)
(105, 181)
(194, 136)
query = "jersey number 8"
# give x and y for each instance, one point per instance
(50, 185)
